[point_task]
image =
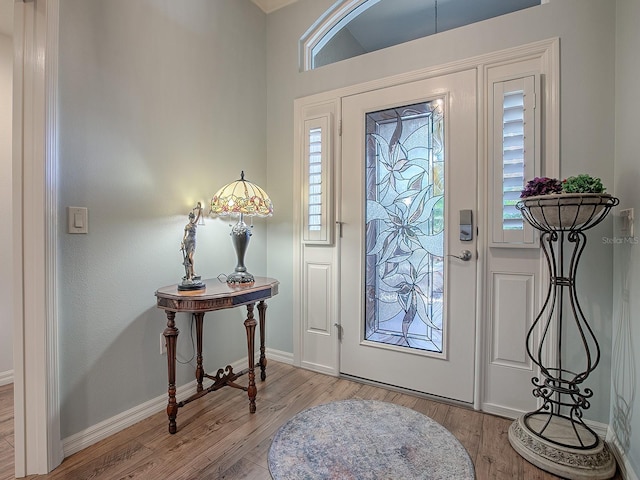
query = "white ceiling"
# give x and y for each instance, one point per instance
(269, 6)
(6, 17)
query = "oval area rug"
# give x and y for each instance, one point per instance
(366, 439)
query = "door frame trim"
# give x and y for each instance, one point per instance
(548, 51)
(38, 446)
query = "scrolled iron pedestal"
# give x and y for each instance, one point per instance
(555, 437)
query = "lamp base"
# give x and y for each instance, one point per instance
(240, 277)
(194, 284)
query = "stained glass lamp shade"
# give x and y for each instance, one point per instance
(240, 198)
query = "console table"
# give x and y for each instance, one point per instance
(217, 295)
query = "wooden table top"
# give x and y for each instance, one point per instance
(217, 295)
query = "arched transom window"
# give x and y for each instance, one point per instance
(354, 27)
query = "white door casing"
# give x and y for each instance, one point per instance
(496, 278)
(319, 254)
(514, 271)
(38, 447)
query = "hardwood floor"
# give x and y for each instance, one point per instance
(6, 432)
(217, 438)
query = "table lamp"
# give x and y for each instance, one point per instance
(241, 198)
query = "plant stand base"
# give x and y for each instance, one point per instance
(596, 463)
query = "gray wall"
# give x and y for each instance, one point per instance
(6, 260)
(625, 378)
(161, 103)
(586, 31)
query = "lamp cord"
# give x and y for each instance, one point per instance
(193, 346)
(221, 278)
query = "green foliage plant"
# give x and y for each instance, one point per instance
(582, 184)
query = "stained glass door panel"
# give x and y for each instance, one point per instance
(407, 308)
(404, 272)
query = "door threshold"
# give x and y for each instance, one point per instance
(409, 391)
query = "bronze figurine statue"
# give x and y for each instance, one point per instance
(190, 281)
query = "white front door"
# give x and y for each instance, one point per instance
(409, 196)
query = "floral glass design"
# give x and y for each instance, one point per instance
(405, 226)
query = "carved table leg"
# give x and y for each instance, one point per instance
(199, 367)
(250, 324)
(171, 338)
(262, 309)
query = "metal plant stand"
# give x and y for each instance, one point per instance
(555, 437)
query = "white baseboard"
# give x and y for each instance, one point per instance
(278, 356)
(601, 429)
(625, 467)
(6, 377)
(501, 411)
(110, 426)
(316, 367)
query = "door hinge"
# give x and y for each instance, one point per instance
(339, 327)
(339, 128)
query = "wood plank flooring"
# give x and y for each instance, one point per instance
(217, 438)
(6, 432)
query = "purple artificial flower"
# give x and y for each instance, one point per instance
(541, 186)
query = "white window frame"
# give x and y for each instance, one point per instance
(501, 80)
(323, 235)
(341, 12)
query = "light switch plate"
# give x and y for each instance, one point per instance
(78, 220)
(626, 224)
